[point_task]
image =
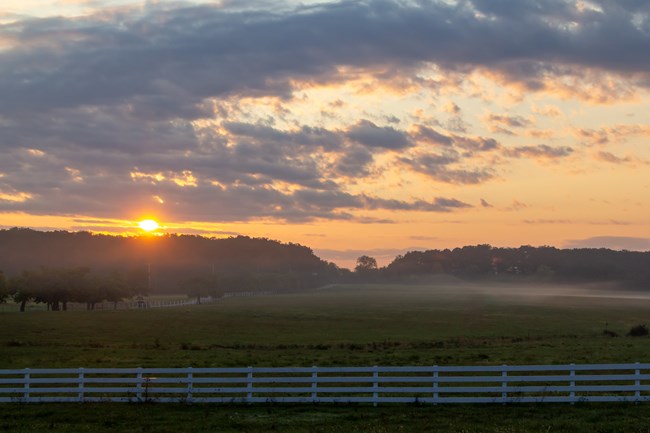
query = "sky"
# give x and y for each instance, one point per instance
(353, 127)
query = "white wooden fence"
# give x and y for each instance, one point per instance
(434, 384)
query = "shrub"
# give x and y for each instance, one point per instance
(638, 331)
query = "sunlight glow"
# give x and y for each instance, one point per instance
(148, 225)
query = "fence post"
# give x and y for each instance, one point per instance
(504, 385)
(249, 386)
(375, 386)
(81, 384)
(26, 385)
(637, 382)
(435, 384)
(138, 385)
(572, 384)
(190, 380)
(314, 384)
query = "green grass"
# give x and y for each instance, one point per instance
(174, 418)
(346, 325)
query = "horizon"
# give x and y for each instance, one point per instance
(346, 259)
(350, 127)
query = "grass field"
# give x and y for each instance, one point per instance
(171, 418)
(444, 324)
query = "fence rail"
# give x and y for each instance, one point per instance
(433, 384)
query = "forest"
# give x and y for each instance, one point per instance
(58, 267)
(543, 263)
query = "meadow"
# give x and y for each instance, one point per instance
(444, 323)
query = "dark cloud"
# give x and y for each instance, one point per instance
(454, 163)
(305, 135)
(438, 204)
(371, 135)
(438, 167)
(430, 135)
(176, 57)
(354, 162)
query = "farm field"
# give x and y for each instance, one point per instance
(445, 324)
(342, 325)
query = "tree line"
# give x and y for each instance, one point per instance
(537, 263)
(55, 267)
(58, 287)
(237, 263)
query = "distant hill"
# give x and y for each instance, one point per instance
(171, 260)
(526, 262)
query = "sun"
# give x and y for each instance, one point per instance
(148, 225)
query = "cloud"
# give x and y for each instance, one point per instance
(510, 121)
(539, 151)
(354, 162)
(517, 206)
(612, 242)
(613, 159)
(430, 135)
(438, 204)
(476, 144)
(438, 167)
(371, 135)
(176, 56)
(451, 108)
(500, 123)
(611, 134)
(304, 136)
(159, 107)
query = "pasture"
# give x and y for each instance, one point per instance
(445, 323)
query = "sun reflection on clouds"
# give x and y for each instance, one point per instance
(16, 197)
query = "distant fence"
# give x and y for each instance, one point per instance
(139, 304)
(434, 384)
(145, 303)
(162, 303)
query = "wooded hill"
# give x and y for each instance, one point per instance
(526, 262)
(170, 262)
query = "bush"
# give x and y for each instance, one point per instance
(638, 331)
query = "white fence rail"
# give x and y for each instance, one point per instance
(433, 384)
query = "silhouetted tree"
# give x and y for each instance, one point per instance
(366, 264)
(366, 268)
(22, 288)
(198, 287)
